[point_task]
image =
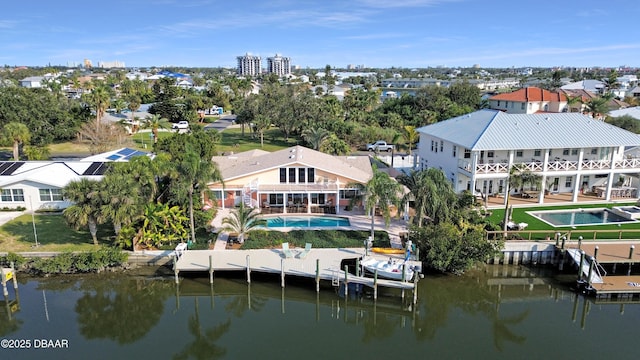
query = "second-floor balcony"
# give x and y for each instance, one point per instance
(502, 167)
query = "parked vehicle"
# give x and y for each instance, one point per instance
(380, 145)
(180, 125)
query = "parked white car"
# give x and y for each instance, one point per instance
(180, 125)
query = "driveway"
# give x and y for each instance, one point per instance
(222, 123)
(6, 216)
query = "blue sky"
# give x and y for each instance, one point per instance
(376, 33)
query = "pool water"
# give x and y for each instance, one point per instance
(579, 217)
(307, 221)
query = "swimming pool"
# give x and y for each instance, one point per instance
(579, 217)
(306, 221)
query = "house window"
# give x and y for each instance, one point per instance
(455, 150)
(317, 198)
(498, 103)
(292, 175)
(467, 154)
(432, 145)
(522, 106)
(348, 194)
(565, 151)
(311, 175)
(302, 175)
(506, 104)
(518, 153)
(537, 152)
(594, 151)
(489, 154)
(51, 195)
(12, 195)
(574, 151)
(441, 146)
(276, 199)
(283, 175)
(568, 181)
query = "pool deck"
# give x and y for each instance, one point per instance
(357, 219)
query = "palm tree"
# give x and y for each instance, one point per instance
(85, 211)
(242, 220)
(411, 135)
(597, 106)
(193, 175)
(99, 100)
(15, 133)
(155, 122)
(121, 198)
(133, 104)
(380, 192)
(572, 100)
(315, 137)
(432, 194)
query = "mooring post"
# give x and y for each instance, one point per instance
(5, 292)
(175, 268)
(317, 275)
(631, 248)
(357, 267)
(210, 269)
(375, 285)
(346, 280)
(595, 252)
(248, 270)
(580, 265)
(579, 242)
(404, 269)
(282, 273)
(557, 238)
(591, 263)
(13, 277)
(564, 239)
(415, 287)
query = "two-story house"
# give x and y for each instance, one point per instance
(292, 180)
(573, 153)
(529, 100)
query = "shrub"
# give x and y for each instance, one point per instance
(67, 263)
(261, 239)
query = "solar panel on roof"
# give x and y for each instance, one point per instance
(114, 157)
(12, 168)
(126, 151)
(92, 168)
(5, 165)
(101, 169)
(137, 153)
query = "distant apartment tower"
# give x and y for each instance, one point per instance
(111, 64)
(279, 65)
(249, 65)
(87, 64)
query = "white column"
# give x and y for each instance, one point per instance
(610, 180)
(544, 187)
(576, 188)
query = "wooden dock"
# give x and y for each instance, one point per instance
(318, 264)
(619, 252)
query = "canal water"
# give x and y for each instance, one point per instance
(493, 312)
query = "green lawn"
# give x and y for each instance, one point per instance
(53, 235)
(539, 230)
(232, 140)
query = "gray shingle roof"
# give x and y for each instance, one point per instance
(496, 130)
(356, 168)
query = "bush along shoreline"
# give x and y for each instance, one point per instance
(96, 261)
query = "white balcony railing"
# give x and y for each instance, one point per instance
(559, 165)
(628, 164)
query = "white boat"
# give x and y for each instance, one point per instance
(388, 269)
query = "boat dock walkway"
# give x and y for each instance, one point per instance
(318, 264)
(608, 253)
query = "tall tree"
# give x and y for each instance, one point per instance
(155, 122)
(379, 193)
(86, 202)
(99, 99)
(194, 174)
(15, 134)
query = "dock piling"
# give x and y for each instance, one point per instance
(591, 263)
(375, 285)
(580, 265)
(210, 269)
(318, 275)
(346, 281)
(248, 270)
(631, 248)
(282, 273)
(175, 268)
(595, 252)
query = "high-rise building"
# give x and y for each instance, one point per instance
(249, 65)
(279, 65)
